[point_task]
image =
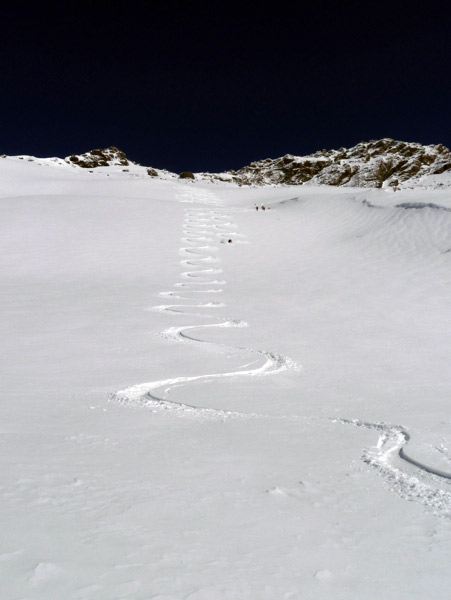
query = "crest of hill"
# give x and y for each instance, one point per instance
(382, 163)
(372, 164)
(113, 157)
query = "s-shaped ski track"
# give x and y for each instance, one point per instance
(420, 482)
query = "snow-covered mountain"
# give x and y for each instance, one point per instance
(374, 164)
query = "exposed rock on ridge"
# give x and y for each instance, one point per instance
(375, 164)
(99, 158)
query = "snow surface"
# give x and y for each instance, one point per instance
(185, 417)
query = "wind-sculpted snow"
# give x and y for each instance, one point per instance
(419, 205)
(202, 225)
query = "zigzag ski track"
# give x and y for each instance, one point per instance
(410, 478)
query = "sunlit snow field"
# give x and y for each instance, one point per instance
(205, 401)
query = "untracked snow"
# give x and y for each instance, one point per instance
(206, 401)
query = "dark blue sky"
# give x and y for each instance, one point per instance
(199, 86)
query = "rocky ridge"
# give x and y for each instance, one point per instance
(372, 164)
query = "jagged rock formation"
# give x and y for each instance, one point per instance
(99, 158)
(375, 164)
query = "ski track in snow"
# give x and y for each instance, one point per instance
(202, 225)
(408, 477)
(422, 483)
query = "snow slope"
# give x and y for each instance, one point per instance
(185, 416)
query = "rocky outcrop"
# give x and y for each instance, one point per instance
(375, 164)
(99, 158)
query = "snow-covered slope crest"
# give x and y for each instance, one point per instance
(112, 157)
(373, 164)
(107, 162)
(93, 159)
